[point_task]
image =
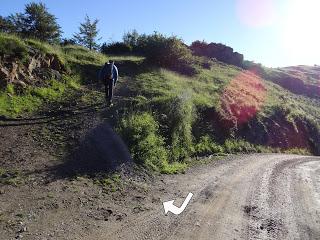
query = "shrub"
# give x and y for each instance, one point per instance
(116, 48)
(140, 132)
(204, 62)
(167, 52)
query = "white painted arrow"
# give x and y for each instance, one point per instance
(168, 206)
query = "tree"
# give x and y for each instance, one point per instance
(6, 25)
(40, 23)
(18, 24)
(131, 38)
(88, 33)
(35, 22)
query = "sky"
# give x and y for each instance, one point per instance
(276, 33)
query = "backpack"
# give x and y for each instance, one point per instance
(108, 72)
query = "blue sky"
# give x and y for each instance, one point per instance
(266, 31)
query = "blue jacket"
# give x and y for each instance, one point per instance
(115, 73)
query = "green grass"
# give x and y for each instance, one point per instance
(159, 90)
(47, 49)
(82, 55)
(298, 151)
(241, 146)
(175, 100)
(33, 98)
(111, 182)
(141, 132)
(160, 117)
(204, 88)
(174, 168)
(119, 58)
(13, 47)
(207, 146)
(12, 106)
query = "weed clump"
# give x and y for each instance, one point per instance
(207, 146)
(140, 132)
(181, 117)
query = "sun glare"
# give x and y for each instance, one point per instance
(253, 13)
(300, 31)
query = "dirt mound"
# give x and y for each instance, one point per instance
(101, 150)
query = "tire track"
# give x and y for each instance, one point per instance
(243, 197)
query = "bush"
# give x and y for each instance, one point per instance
(167, 52)
(140, 132)
(116, 48)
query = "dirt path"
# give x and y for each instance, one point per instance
(248, 197)
(240, 197)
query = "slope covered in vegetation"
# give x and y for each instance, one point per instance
(164, 116)
(302, 80)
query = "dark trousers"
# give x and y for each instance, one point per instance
(109, 86)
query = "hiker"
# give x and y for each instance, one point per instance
(109, 76)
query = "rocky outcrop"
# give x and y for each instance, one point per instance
(218, 51)
(38, 68)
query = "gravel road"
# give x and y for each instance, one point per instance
(246, 197)
(260, 196)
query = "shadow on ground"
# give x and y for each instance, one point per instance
(100, 151)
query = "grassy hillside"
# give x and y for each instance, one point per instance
(302, 80)
(165, 117)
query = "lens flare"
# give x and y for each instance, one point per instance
(255, 13)
(242, 99)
